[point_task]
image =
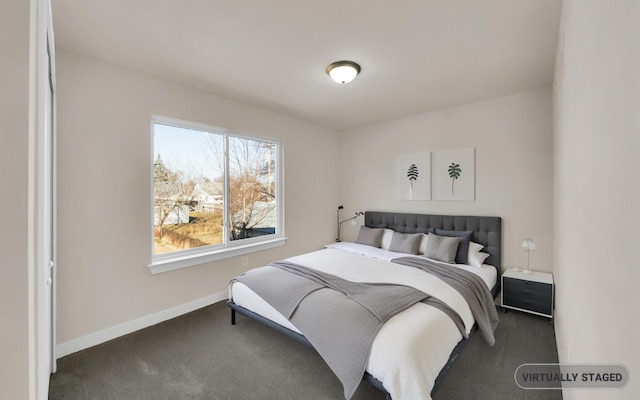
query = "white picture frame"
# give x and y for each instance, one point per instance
(454, 174)
(413, 176)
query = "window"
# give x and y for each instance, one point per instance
(216, 194)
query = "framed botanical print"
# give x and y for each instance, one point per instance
(413, 176)
(454, 174)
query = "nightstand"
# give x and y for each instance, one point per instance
(532, 293)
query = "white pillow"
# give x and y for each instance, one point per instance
(423, 244)
(478, 259)
(387, 235)
(475, 256)
(474, 248)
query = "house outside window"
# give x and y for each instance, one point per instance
(216, 194)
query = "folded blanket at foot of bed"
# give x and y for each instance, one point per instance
(340, 318)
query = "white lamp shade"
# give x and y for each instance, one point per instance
(343, 71)
(528, 244)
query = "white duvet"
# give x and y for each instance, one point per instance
(414, 345)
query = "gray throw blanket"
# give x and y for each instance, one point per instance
(340, 318)
(469, 285)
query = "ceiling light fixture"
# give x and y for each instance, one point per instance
(343, 71)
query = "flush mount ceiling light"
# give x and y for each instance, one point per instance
(343, 71)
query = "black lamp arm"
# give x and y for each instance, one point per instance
(359, 213)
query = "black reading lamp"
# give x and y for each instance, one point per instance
(352, 219)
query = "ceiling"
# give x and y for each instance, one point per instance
(416, 55)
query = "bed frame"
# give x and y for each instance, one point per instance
(486, 231)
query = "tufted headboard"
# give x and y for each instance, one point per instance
(486, 230)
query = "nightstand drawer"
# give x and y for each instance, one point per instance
(542, 306)
(528, 292)
(534, 291)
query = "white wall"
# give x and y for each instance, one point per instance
(512, 137)
(104, 186)
(14, 174)
(597, 190)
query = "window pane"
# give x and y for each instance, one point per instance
(212, 188)
(188, 188)
(252, 188)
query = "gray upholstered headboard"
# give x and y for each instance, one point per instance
(486, 230)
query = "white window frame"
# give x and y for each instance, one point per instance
(229, 248)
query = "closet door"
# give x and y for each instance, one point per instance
(45, 205)
(49, 211)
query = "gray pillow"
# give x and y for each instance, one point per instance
(462, 254)
(405, 242)
(442, 248)
(370, 236)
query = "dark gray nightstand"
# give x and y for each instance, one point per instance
(532, 293)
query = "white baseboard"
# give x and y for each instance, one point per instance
(72, 346)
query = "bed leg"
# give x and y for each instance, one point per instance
(233, 317)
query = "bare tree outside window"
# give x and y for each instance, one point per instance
(172, 192)
(251, 188)
(197, 189)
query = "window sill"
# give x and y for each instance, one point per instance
(189, 260)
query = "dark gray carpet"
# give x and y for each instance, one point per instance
(201, 356)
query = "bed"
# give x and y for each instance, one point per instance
(409, 350)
